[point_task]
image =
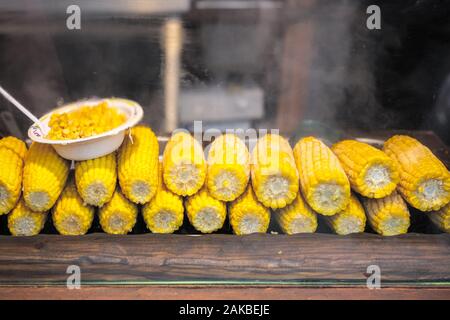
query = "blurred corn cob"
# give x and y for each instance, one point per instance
(16, 145)
(350, 220)
(296, 217)
(184, 164)
(424, 179)
(228, 167)
(70, 215)
(274, 174)
(24, 222)
(441, 218)
(388, 216)
(248, 215)
(11, 173)
(119, 215)
(165, 212)
(138, 165)
(205, 213)
(323, 181)
(96, 179)
(371, 172)
(44, 176)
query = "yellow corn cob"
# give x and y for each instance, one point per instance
(138, 165)
(322, 179)
(297, 217)
(370, 171)
(119, 215)
(11, 170)
(70, 215)
(164, 213)
(228, 167)
(350, 220)
(205, 213)
(274, 174)
(248, 215)
(424, 180)
(96, 179)
(16, 145)
(388, 216)
(24, 222)
(441, 218)
(184, 164)
(44, 176)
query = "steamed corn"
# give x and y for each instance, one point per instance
(388, 216)
(323, 181)
(138, 165)
(206, 214)
(371, 172)
(228, 167)
(350, 220)
(11, 171)
(274, 174)
(165, 212)
(119, 215)
(70, 215)
(44, 176)
(24, 222)
(96, 179)
(16, 145)
(247, 215)
(424, 179)
(296, 217)
(441, 218)
(184, 164)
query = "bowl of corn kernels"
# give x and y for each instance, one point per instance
(87, 129)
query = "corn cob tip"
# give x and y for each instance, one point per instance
(248, 215)
(184, 179)
(119, 215)
(14, 144)
(205, 213)
(441, 218)
(424, 179)
(351, 220)
(388, 216)
(329, 198)
(37, 200)
(24, 222)
(297, 217)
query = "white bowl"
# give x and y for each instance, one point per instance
(94, 146)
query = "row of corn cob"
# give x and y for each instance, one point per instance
(326, 177)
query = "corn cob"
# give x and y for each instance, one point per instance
(296, 217)
(11, 171)
(388, 216)
(24, 222)
(205, 213)
(96, 179)
(138, 165)
(322, 179)
(371, 172)
(184, 165)
(228, 167)
(274, 174)
(441, 218)
(248, 215)
(70, 215)
(165, 212)
(350, 220)
(16, 145)
(44, 176)
(424, 180)
(119, 215)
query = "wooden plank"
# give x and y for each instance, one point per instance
(221, 293)
(147, 258)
